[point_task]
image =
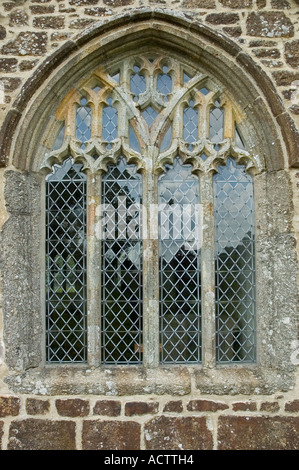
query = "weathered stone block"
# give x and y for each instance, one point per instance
(110, 435)
(222, 18)
(38, 434)
(236, 3)
(292, 406)
(72, 407)
(197, 4)
(244, 406)
(18, 18)
(292, 53)
(83, 2)
(258, 433)
(8, 64)
(206, 405)
(141, 408)
(107, 408)
(173, 406)
(27, 43)
(171, 433)
(269, 24)
(35, 406)
(270, 406)
(49, 22)
(9, 406)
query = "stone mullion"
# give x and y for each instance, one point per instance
(150, 263)
(208, 271)
(94, 268)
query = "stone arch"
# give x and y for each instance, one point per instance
(25, 132)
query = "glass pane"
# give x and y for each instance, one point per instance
(137, 83)
(179, 259)
(164, 83)
(109, 131)
(121, 265)
(235, 279)
(83, 122)
(66, 264)
(149, 115)
(216, 123)
(190, 123)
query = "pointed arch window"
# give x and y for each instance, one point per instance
(166, 220)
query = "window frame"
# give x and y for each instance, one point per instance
(206, 96)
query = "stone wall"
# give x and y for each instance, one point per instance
(31, 423)
(191, 418)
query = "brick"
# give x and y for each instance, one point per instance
(9, 406)
(107, 408)
(244, 406)
(34, 406)
(140, 408)
(173, 406)
(269, 24)
(8, 65)
(258, 433)
(40, 434)
(205, 405)
(176, 433)
(72, 407)
(27, 43)
(222, 18)
(292, 53)
(110, 435)
(292, 406)
(49, 22)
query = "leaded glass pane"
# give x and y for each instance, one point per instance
(216, 123)
(109, 131)
(137, 83)
(179, 259)
(190, 123)
(149, 115)
(66, 338)
(83, 122)
(164, 83)
(121, 265)
(235, 274)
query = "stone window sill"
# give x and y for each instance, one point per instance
(136, 380)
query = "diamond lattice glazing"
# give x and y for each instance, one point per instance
(66, 264)
(235, 279)
(179, 257)
(121, 265)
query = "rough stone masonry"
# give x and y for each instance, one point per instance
(183, 408)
